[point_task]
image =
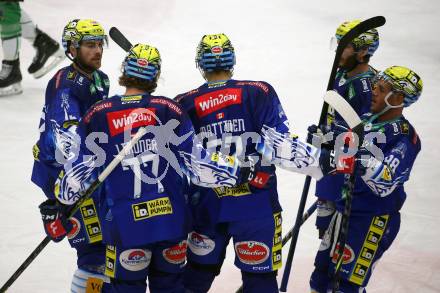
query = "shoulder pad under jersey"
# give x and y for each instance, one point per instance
(261, 85)
(180, 97)
(168, 103)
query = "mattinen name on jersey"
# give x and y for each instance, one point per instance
(226, 126)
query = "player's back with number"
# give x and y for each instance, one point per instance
(147, 185)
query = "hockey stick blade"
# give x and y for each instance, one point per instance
(343, 108)
(120, 39)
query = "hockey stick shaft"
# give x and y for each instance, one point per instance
(364, 26)
(120, 39)
(115, 162)
(305, 217)
(349, 184)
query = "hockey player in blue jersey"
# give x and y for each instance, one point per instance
(145, 217)
(379, 191)
(353, 82)
(223, 112)
(69, 94)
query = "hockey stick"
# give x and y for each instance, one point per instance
(120, 39)
(362, 27)
(287, 237)
(347, 194)
(354, 122)
(115, 162)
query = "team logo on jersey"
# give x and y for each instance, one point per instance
(76, 228)
(156, 207)
(386, 175)
(120, 121)
(135, 259)
(347, 255)
(200, 244)
(71, 75)
(404, 128)
(252, 252)
(176, 254)
(214, 101)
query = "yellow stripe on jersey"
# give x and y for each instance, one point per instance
(91, 221)
(368, 249)
(277, 243)
(110, 261)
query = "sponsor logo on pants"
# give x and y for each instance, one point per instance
(252, 252)
(135, 259)
(200, 244)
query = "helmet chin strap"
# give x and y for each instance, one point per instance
(386, 108)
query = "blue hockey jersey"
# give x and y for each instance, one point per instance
(381, 190)
(142, 199)
(225, 114)
(357, 91)
(68, 96)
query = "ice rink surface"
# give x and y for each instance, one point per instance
(283, 42)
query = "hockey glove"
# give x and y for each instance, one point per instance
(315, 135)
(56, 225)
(344, 164)
(252, 172)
